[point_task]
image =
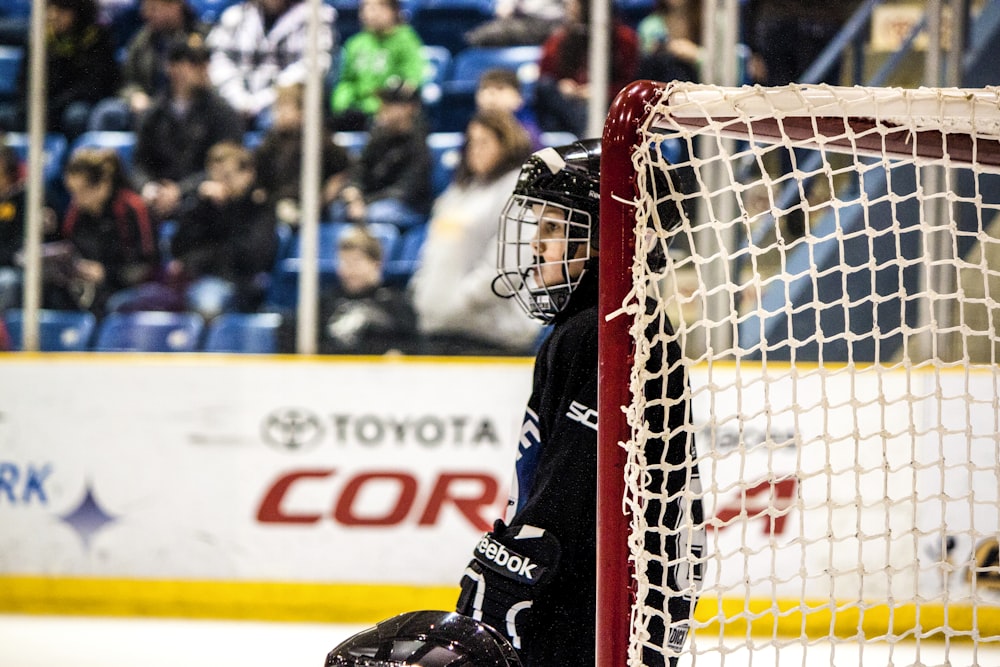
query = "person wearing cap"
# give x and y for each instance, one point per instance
(144, 70)
(260, 44)
(391, 182)
(386, 48)
(177, 132)
(81, 67)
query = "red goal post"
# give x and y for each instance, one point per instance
(951, 129)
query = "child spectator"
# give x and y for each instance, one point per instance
(358, 314)
(178, 131)
(111, 241)
(392, 180)
(259, 44)
(386, 51)
(453, 287)
(12, 215)
(144, 70)
(81, 67)
(279, 159)
(500, 89)
(227, 240)
(563, 91)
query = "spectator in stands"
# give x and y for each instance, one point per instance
(226, 242)
(144, 71)
(259, 44)
(518, 22)
(391, 181)
(12, 217)
(667, 46)
(499, 88)
(386, 50)
(110, 241)
(786, 36)
(453, 287)
(563, 91)
(81, 68)
(279, 159)
(358, 313)
(179, 129)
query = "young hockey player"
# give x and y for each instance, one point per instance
(533, 577)
(548, 262)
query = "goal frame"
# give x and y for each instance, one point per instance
(628, 117)
(614, 581)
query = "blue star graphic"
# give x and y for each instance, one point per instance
(88, 518)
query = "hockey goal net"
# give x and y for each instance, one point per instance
(834, 285)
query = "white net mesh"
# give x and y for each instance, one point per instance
(834, 285)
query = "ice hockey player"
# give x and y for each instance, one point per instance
(533, 577)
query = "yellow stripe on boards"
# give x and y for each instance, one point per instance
(303, 602)
(816, 618)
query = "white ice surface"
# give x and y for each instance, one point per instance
(54, 641)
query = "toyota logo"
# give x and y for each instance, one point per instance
(292, 429)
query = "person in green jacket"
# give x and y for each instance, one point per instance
(387, 51)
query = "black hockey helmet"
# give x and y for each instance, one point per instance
(555, 184)
(425, 639)
(570, 176)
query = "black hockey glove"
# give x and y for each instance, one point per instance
(510, 566)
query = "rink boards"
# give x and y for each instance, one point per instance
(349, 490)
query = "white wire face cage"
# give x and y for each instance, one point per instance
(532, 231)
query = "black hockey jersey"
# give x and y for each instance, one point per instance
(556, 484)
(556, 487)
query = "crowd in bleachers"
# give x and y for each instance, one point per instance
(174, 138)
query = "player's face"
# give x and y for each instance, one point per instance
(551, 245)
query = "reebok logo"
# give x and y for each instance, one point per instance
(511, 564)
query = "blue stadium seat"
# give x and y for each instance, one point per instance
(11, 62)
(16, 8)
(438, 60)
(458, 90)
(348, 22)
(283, 291)
(15, 22)
(54, 150)
(446, 151)
(122, 142)
(249, 333)
(58, 330)
(148, 331)
(445, 22)
(404, 262)
(329, 235)
(470, 63)
(209, 11)
(631, 12)
(557, 138)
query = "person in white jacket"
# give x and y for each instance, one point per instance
(260, 44)
(452, 289)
